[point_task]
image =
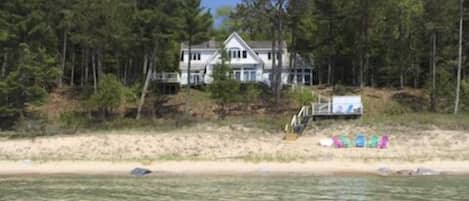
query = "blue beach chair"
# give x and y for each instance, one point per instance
(360, 141)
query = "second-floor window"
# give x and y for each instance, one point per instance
(269, 55)
(235, 53)
(196, 56)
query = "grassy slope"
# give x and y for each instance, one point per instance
(383, 108)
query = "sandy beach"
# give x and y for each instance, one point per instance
(233, 149)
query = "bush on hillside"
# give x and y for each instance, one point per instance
(251, 95)
(72, 121)
(224, 89)
(444, 92)
(301, 96)
(110, 96)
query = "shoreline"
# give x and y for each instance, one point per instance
(329, 168)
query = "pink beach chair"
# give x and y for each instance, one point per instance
(383, 142)
(337, 142)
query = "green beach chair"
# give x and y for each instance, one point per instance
(347, 143)
(373, 143)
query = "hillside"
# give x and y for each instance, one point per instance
(383, 107)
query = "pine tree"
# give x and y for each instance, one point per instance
(197, 24)
(28, 83)
(224, 89)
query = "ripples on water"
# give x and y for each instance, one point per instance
(232, 188)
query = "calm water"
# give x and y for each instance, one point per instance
(232, 188)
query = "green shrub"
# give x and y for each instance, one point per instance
(110, 96)
(301, 96)
(251, 95)
(72, 121)
(224, 89)
(31, 127)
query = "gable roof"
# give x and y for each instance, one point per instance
(249, 50)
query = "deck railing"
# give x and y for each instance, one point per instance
(166, 77)
(323, 107)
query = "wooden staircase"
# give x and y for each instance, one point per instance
(298, 123)
(320, 109)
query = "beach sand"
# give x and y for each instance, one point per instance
(232, 149)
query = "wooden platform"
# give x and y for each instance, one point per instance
(323, 110)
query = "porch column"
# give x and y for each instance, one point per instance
(303, 74)
(241, 69)
(312, 78)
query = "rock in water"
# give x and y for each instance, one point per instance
(385, 171)
(426, 172)
(405, 173)
(140, 172)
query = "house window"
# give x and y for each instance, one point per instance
(246, 76)
(245, 54)
(195, 56)
(269, 55)
(195, 77)
(249, 75)
(237, 74)
(235, 53)
(182, 56)
(253, 75)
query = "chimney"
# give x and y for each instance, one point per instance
(211, 43)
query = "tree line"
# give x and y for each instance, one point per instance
(367, 43)
(45, 44)
(83, 41)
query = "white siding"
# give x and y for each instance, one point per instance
(259, 63)
(235, 43)
(264, 56)
(205, 56)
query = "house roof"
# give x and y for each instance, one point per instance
(212, 44)
(263, 44)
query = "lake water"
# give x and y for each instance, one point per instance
(232, 188)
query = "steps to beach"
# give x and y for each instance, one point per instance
(324, 108)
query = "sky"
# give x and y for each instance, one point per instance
(214, 4)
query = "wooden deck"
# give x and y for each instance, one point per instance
(319, 110)
(166, 77)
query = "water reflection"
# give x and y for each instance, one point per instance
(232, 188)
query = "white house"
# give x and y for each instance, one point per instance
(251, 61)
